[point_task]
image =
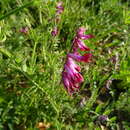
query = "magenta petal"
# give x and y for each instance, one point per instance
(70, 62)
(81, 31)
(84, 58)
(24, 30)
(85, 37)
(69, 84)
(59, 11)
(65, 79)
(70, 76)
(73, 74)
(78, 78)
(80, 44)
(81, 35)
(54, 31)
(87, 57)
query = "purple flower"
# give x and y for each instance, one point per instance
(103, 118)
(81, 31)
(85, 37)
(59, 10)
(54, 31)
(59, 7)
(70, 86)
(70, 62)
(78, 40)
(81, 35)
(24, 30)
(85, 58)
(79, 44)
(71, 76)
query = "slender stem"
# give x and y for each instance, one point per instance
(33, 55)
(15, 10)
(37, 85)
(15, 65)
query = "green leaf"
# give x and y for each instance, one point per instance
(113, 119)
(5, 52)
(99, 108)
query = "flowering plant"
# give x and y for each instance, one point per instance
(59, 11)
(71, 76)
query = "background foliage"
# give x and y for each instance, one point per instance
(31, 65)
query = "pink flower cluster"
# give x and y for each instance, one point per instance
(71, 76)
(59, 11)
(59, 7)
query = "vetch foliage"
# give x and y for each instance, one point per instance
(96, 70)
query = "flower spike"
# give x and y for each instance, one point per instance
(71, 76)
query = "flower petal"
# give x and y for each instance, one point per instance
(81, 31)
(85, 58)
(85, 37)
(80, 44)
(70, 62)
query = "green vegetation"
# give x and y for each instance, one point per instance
(31, 65)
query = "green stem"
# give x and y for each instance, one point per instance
(37, 85)
(15, 10)
(92, 98)
(15, 65)
(33, 55)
